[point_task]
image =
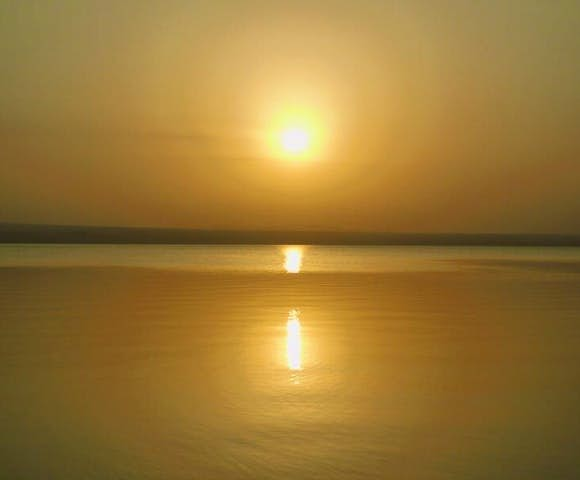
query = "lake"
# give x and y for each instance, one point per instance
(267, 362)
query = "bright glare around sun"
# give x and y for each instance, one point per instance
(296, 134)
(295, 140)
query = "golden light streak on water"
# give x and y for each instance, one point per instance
(293, 259)
(293, 341)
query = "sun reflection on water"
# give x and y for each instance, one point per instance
(293, 259)
(293, 341)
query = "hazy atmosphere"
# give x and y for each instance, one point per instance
(422, 116)
(259, 240)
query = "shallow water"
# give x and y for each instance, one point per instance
(180, 362)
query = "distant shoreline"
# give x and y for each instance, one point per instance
(65, 234)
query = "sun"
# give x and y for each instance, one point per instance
(295, 133)
(295, 140)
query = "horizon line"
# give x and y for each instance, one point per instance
(85, 234)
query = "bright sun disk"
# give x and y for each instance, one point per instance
(295, 140)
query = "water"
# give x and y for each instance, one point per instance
(175, 362)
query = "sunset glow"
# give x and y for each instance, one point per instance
(309, 240)
(296, 133)
(295, 140)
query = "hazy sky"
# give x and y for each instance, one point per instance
(439, 116)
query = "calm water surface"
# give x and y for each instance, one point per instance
(197, 362)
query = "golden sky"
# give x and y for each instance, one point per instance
(425, 116)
